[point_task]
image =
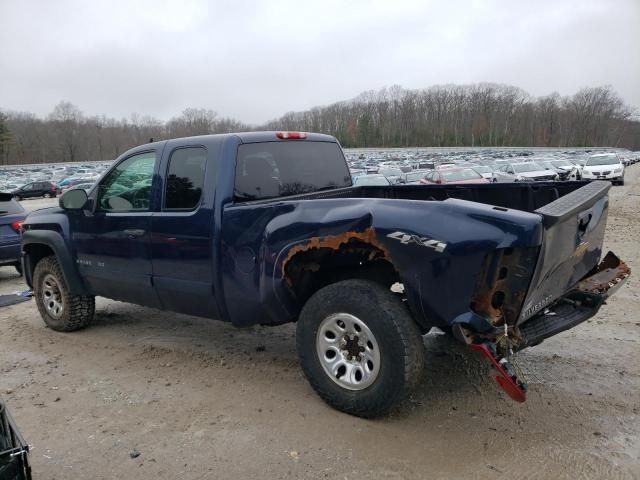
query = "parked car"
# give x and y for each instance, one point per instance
(73, 183)
(83, 186)
(564, 174)
(394, 175)
(36, 189)
(371, 180)
(523, 172)
(574, 170)
(453, 175)
(12, 216)
(604, 166)
(484, 170)
(414, 177)
(266, 228)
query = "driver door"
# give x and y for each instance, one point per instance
(113, 242)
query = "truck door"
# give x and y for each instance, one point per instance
(113, 249)
(182, 232)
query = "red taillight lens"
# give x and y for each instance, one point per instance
(291, 135)
(17, 225)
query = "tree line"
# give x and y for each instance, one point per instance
(442, 116)
(67, 135)
(473, 115)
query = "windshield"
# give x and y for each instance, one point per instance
(414, 177)
(482, 169)
(458, 175)
(603, 160)
(546, 164)
(527, 167)
(562, 163)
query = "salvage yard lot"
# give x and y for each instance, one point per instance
(201, 399)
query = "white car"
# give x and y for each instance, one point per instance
(604, 166)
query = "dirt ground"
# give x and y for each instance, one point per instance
(201, 399)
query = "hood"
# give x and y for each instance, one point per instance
(600, 168)
(44, 211)
(537, 173)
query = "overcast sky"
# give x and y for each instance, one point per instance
(257, 60)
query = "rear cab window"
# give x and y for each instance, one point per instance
(185, 178)
(280, 169)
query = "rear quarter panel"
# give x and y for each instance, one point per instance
(258, 239)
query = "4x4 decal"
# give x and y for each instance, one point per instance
(406, 238)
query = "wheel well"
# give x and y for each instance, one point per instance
(36, 252)
(310, 270)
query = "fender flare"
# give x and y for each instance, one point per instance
(56, 243)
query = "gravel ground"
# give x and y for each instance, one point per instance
(201, 399)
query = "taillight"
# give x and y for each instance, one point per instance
(17, 225)
(291, 135)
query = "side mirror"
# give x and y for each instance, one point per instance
(74, 199)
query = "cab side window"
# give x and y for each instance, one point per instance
(128, 187)
(185, 178)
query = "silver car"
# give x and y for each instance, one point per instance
(523, 172)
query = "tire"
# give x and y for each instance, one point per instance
(397, 348)
(60, 310)
(18, 268)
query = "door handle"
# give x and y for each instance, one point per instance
(134, 232)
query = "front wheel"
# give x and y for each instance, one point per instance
(359, 347)
(59, 309)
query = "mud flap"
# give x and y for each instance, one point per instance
(506, 378)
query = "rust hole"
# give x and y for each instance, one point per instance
(498, 299)
(502, 274)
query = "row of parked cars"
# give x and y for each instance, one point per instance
(49, 180)
(35, 181)
(522, 167)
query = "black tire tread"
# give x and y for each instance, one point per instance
(79, 309)
(403, 324)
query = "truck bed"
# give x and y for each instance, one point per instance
(527, 197)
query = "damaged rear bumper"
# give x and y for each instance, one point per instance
(578, 305)
(573, 308)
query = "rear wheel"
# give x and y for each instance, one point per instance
(59, 309)
(47, 195)
(359, 347)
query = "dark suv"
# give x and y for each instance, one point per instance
(36, 189)
(11, 217)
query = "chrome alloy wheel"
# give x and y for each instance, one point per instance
(52, 297)
(348, 351)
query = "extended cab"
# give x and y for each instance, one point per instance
(266, 228)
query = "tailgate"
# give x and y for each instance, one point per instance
(574, 227)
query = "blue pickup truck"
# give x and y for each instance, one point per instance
(267, 228)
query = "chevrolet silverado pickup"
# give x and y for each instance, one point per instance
(267, 228)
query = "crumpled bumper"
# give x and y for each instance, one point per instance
(580, 304)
